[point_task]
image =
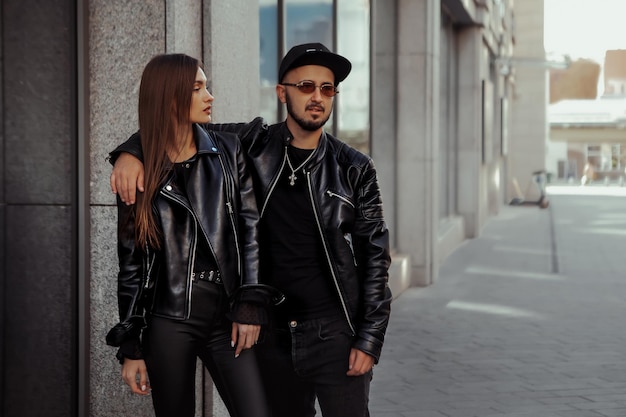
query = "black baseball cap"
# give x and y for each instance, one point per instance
(314, 54)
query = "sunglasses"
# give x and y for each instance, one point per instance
(308, 87)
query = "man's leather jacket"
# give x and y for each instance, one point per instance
(219, 204)
(348, 210)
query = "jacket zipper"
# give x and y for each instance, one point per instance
(346, 236)
(325, 245)
(150, 257)
(231, 213)
(319, 227)
(339, 196)
(192, 257)
(273, 184)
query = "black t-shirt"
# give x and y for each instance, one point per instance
(297, 264)
(204, 260)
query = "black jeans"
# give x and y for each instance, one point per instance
(304, 360)
(172, 346)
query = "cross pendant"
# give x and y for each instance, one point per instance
(292, 179)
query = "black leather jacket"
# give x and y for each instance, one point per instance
(348, 209)
(349, 213)
(219, 203)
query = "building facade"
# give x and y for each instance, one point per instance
(437, 98)
(590, 131)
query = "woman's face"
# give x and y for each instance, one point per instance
(201, 100)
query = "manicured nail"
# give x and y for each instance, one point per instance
(232, 344)
(143, 387)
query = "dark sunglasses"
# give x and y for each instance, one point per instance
(308, 87)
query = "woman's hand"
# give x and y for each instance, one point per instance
(244, 336)
(130, 370)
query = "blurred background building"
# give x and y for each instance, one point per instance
(587, 119)
(448, 96)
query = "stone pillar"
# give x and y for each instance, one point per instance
(472, 193)
(418, 130)
(183, 27)
(529, 127)
(231, 53)
(384, 133)
(38, 366)
(123, 37)
(231, 57)
(384, 106)
(2, 217)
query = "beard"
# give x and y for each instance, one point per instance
(310, 125)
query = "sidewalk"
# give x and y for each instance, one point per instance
(527, 320)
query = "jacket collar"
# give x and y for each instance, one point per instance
(320, 151)
(205, 142)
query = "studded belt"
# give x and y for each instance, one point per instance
(210, 276)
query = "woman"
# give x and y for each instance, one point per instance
(188, 253)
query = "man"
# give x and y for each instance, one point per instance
(324, 243)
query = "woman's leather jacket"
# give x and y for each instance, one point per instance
(219, 204)
(348, 208)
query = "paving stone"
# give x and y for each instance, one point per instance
(528, 319)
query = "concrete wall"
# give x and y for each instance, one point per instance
(116, 60)
(417, 140)
(2, 216)
(231, 51)
(123, 36)
(65, 106)
(406, 123)
(469, 128)
(384, 149)
(37, 229)
(528, 129)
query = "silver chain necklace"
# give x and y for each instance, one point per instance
(292, 177)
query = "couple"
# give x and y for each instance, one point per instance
(203, 267)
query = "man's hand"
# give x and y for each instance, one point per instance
(130, 370)
(360, 363)
(127, 178)
(244, 336)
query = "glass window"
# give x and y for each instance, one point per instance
(268, 22)
(314, 21)
(309, 21)
(615, 156)
(448, 104)
(353, 100)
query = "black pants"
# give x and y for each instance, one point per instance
(302, 361)
(172, 346)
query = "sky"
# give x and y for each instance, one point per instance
(584, 28)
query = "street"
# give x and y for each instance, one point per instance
(527, 320)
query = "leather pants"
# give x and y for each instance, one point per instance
(172, 346)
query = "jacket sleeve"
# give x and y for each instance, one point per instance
(248, 133)
(129, 281)
(251, 290)
(248, 219)
(131, 146)
(371, 246)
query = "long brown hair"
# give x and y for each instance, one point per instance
(164, 103)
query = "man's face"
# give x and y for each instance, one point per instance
(310, 111)
(201, 100)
